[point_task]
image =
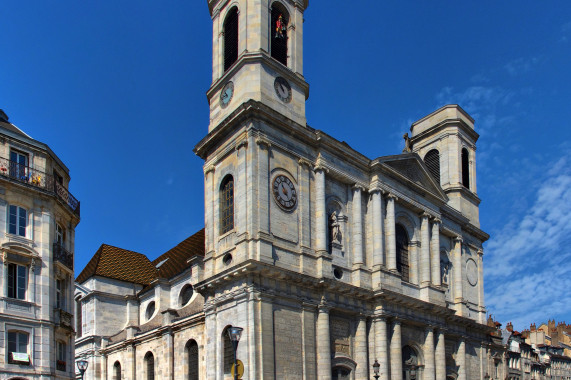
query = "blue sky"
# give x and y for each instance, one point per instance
(117, 89)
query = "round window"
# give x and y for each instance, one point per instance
(227, 259)
(150, 310)
(338, 273)
(186, 294)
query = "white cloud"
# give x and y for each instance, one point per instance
(527, 261)
(521, 65)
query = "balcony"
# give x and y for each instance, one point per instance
(63, 319)
(63, 256)
(60, 365)
(32, 177)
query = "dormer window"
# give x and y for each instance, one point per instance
(278, 33)
(230, 38)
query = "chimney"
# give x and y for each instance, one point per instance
(532, 327)
(510, 327)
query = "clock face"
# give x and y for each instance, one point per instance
(283, 89)
(284, 192)
(226, 94)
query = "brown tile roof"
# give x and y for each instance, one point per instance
(119, 264)
(124, 265)
(174, 261)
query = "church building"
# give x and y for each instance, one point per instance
(330, 261)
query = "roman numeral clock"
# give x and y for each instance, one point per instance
(284, 192)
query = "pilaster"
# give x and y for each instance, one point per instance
(435, 252)
(396, 351)
(391, 234)
(323, 343)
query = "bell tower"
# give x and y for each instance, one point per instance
(446, 142)
(257, 54)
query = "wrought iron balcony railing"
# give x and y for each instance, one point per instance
(63, 256)
(25, 174)
(60, 365)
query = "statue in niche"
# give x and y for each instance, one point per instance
(444, 268)
(334, 228)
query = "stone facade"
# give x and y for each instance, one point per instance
(38, 217)
(327, 259)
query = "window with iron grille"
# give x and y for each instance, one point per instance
(402, 252)
(227, 205)
(192, 352)
(231, 38)
(465, 168)
(278, 33)
(432, 161)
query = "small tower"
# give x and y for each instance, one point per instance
(257, 55)
(446, 141)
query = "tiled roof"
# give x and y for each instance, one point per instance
(174, 261)
(124, 265)
(119, 264)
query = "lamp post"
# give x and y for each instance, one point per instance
(82, 367)
(376, 369)
(235, 333)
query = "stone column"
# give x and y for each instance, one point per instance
(413, 249)
(357, 226)
(462, 359)
(481, 302)
(424, 250)
(4, 274)
(381, 346)
(263, 184)
(396, 352)
(429, 354)
(320, 211)
(378, 235)
(435, 252)
(240, 198)
(209, 207)
(458, 296)
(440, 355)
(304, 202)
(391, 233)
(362, 371)
(323, 344)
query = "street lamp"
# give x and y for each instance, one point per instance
(376, 369)
(235, 333)
(82, 367)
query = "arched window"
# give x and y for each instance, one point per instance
(402, 252)
(278, 32)
(228, 350)
(231, 38)
(432, 161)
(117, 371)
(192, 359)
(150, 365)
(227, 204)
(150, 310)
(465, 168)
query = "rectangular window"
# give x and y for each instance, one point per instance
(60, 234)
(17, 281)
(61, 355)
(18, 347)
(60, 294)
(17, 220)
(18, 165)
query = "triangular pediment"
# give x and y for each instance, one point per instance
(410, 167)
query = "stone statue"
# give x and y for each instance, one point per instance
(334, 228)
(444, 269)
(407, 144)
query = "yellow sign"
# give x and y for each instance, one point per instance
(240, 369)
